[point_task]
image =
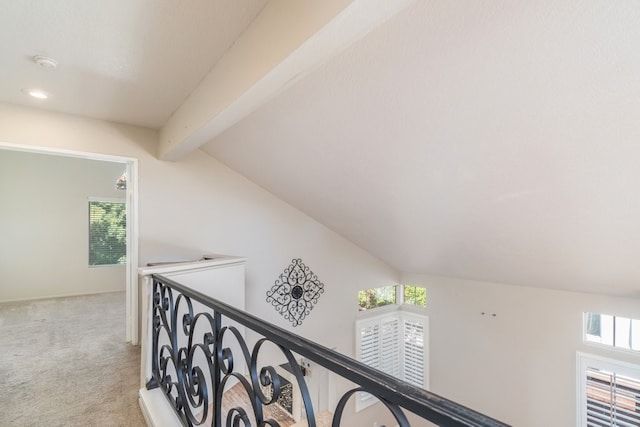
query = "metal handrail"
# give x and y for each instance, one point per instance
(391, 391)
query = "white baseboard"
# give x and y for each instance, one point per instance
(156, 410)
(81, 294)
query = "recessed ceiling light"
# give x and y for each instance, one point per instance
(36, 93)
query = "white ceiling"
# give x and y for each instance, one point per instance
(128, 61)
(488, 140)
(479, 139)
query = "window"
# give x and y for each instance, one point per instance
(393, 340)
(391, 334)
(107, 232)
(395, 294)
(414, 350)
(609, 392)
(376, 297)
(612, 331)
(415, 295)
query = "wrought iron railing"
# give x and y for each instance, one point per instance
(194, 364)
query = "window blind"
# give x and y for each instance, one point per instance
(370, 345)
(390, 347)
(612, 399)
(395, 344)
(107, 233)
(414, 352)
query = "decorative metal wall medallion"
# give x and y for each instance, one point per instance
(295, 292)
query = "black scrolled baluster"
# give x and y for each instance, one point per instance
(187, 318)
(167, 384)
(198, 394)
(198, 385)
(217, 343)
(248, 388)
(198, 390)
(236, 415)
(297, 373)
(209, 339)
(160, 323)
(172, 308)
(268, 378)
(186, 322)
(153, 382)
(400, 417)
(304, 390)
(163, 361)
(193, 385)
(188, 390)
(258, 380)
(225, 362)
(225, 355)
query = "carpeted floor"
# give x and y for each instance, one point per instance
(64, 362)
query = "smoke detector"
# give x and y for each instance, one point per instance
(45, 62)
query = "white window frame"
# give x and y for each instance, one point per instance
(399, 290)
(614, 345)
(586, 361)
(390, 313)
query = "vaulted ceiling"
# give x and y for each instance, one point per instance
(487, 140)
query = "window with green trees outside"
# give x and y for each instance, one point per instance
(415, 295)
(107, 233)
(386, 295)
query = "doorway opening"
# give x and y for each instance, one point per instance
(51, 165)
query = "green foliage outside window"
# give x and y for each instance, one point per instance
(386, 295)
(415, 295)
(376, 297)
(107, 233)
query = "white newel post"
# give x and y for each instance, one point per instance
(219, 276)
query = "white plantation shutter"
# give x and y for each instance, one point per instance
(394, 343)
(368, 352)
(610, 392)
(612, 400)
(414, 351)
(370, 345)
(390, 347)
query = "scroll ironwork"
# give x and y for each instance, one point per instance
(295, 292)
(199, 352)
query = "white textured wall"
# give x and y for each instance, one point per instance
(44, 225)
(523, 359)
(198, 206)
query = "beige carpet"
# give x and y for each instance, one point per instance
(64, 362)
